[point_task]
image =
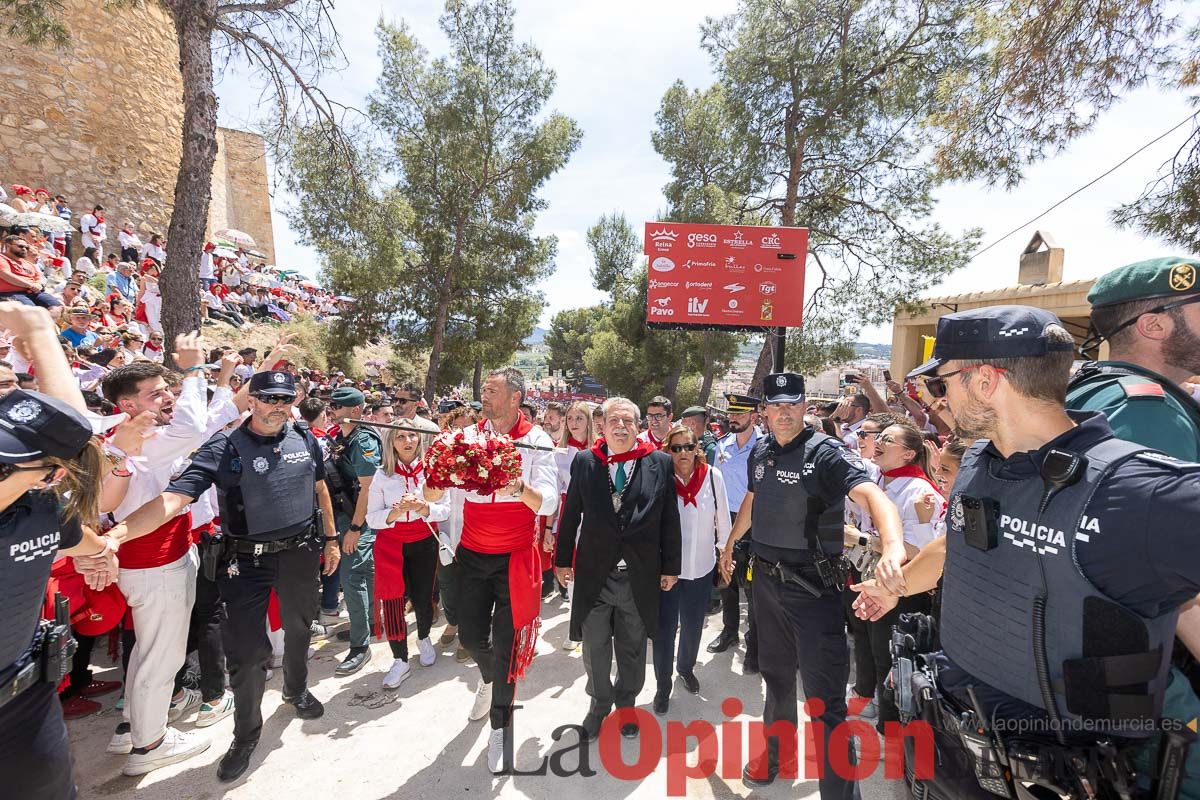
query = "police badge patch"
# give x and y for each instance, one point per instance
(760, 469)
(278, 377)
(958, 517)
(261, 465)
(781, 381)
(25, 411)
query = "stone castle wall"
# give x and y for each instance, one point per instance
(100, 123)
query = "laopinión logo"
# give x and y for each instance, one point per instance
(720, 752)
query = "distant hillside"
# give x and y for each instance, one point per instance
(538, 335)
(873, 350)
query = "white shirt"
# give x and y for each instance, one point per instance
(538, 470)
(563, 459)
(129, 240)
(388, 489)
(905, 492)
(88, 223)
(850, 434)
(212, 301)
(167, 450)
(155, 252)
(206, 265)
(705, 527)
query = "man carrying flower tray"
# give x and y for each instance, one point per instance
(504, 488)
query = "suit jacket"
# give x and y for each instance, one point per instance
(645, 533)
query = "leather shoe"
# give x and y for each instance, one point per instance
(690, 683)
(630, 730)
(307, 706)
(591, 725)
(662, 701)
(755, 773)
(235, 761)
(722, 642)
(354, 661)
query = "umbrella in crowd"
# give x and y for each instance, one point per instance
(310, 284)
(235, 237)
(345, 298)
(7, 212)
(224, 252)
(44, 222)
(258, 279)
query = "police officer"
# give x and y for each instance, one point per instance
(275, 512)
(357, 451)
(798, 482)
(1147, 312)
(1044, 611)
(732, 457)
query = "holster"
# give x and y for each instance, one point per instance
(212, 553)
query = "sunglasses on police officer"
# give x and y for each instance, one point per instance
(275, 399)
(936, 384)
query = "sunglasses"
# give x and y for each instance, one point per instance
(936, 384)
(275, 399)
(8, 470)
(864, 434)
(679, 448)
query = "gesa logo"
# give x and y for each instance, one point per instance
(702, 240)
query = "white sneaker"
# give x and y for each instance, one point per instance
(397, 674)
(428, 654)
(180, 708)
(176, 746)
(317, 632)
(496, 751)
(483, 702)
(219, 709)
(270, 673)
(570, 645)
(122, 741)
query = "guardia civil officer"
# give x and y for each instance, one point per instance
(276, 516)
(1069, 551)
(357, 453)
(798, 482)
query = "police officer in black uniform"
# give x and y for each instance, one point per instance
(1069, 553)
(275, 512)
(798, 483)
(35, 529)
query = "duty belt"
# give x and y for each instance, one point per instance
(785, 573)
(250, 547)
(27, 676)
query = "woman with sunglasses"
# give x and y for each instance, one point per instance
(704, 524)
(406, 542)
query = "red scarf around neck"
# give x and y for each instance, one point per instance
(690, 490)
(411, 471)
(640, 448)
(518, 431)
(911, 471)
(578, 445)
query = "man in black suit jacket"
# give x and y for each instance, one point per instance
(627, 552)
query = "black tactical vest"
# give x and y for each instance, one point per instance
(1026, 595)
(788, 509)
(277, 486)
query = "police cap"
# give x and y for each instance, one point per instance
(783, 387)
(34, 425)
(694, 411)
(741, 403)
(273, 383)
(347, 397)
(1158, 277)
(992, 332)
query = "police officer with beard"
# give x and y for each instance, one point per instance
(798, 483)
(276, 517)
(1060, 598)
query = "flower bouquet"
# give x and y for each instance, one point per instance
(470, 460)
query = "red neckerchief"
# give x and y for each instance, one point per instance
(641, 448)
(151, 347)
(911, 471)
(654, 440)
(412, 471)
(688, 491)
(578, 445)
(518, 431)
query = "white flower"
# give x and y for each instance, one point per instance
(457, 481)
(483, 473)
(460, 459)
(496, 460)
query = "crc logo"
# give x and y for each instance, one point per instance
(696, 305)
(767, 288)
(697, 285)
(662, 264)
(771, 242)
(734, 288)
(690, 263)
(702, 240)
(663, 238)
(656, 284)
(738, 241)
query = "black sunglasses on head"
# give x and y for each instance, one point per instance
(275, 399)
(679, 448)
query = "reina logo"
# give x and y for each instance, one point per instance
(771, 242)
(702, 240)
(696, 305)
(738, 241)
(663, 238)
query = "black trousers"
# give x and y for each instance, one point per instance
(447, 583)
(731, 608)
(35, 756)
(485, 625)
(204, 636)
(880, 635)
(864, 660)
(420, 574)
(614, 625)
(81, 664)
(806, 633)
(295, 576)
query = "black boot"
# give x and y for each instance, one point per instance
(307, 706)
(235, 761)
(723, 642)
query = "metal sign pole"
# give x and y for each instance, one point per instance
(778, 349)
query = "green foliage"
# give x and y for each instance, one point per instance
(36, 22)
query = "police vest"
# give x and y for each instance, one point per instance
(277, 485)
(1023, 606)
(788, 510)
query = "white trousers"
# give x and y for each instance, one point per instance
(161, 600)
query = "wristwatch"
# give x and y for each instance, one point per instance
(356, 528)
(331, 538)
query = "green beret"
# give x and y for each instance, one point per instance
(1158, 277)
(693, 411)
(347, 397)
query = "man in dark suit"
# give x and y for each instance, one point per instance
(627, 551)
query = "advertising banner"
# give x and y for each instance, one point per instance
(724, 276)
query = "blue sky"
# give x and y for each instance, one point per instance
(615, 60)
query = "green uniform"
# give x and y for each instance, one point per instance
(358, 458)
(1141, 406)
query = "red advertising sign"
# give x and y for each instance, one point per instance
(725, 276)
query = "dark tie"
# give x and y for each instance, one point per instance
(619, 481)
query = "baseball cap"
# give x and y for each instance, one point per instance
(992, 332)
(34, 425)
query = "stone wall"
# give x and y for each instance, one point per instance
(100, 122)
